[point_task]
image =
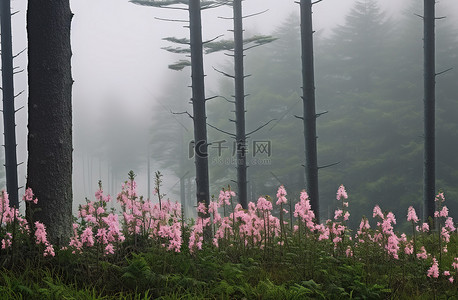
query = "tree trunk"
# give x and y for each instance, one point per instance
(49, 169)
(308, 89)
(9, 122)
(429, 188)
(198, 103)
(240, 104)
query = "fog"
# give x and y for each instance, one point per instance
(120, 71)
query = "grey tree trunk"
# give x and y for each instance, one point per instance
(9, 123)
(49, 169)
(429, 188)
(240, 134)
(309, 118)
(198, 103)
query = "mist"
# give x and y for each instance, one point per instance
(122, 83)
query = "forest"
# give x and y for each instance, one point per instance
(322, 164)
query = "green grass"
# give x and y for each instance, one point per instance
(212, 273)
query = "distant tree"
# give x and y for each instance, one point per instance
(172, 154)
(8, 104)
(198, 99)
(238, 46)
(429, 173)
(308, 98)
(49, 167)
(349, 46)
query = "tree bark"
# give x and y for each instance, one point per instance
(240, 134)
(308, 89)
(49, 169)
(198, 103)
(9, 122)
(429, 188)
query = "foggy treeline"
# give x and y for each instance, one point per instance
(369, 87)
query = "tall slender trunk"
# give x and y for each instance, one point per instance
(429, 188)
(9, 122)
(240, 104)
(198, 103)
(308, 89)
(49, 168)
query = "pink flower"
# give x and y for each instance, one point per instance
(87, 237)
(408, 249)
(100, 210)
(450, 279)
(281, 193)
(444, 212)
(423, 254)
(338, 214)
(440, 197)
(346, 216)
(455, 264)
(348, 252)
(28, 195)
(109, 249)
(425, 227)
(263, 204)
(201, 208)
(7, 241)
(446, 273)
(411, 215)
(449, 224)
(445, 234)
(434, 270)
(377, 212)
(341, 192)
(49, 250)
(40, 233)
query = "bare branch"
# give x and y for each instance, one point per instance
(420, 16)
(13, 13)
(213, 39)
(255, 14)
(445, 71)
(182, 113)
(225, 132)
(320, 114)
(210, 98)
(259, 128)
(19, 53)
(330, 165)
(302, 118)
(18, 109)
(316, 2)
(230, 101)
(171, 20)
(18, 94)
(224, 73)
(14, 73)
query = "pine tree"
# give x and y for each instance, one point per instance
(49, 167)
(9, 112)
